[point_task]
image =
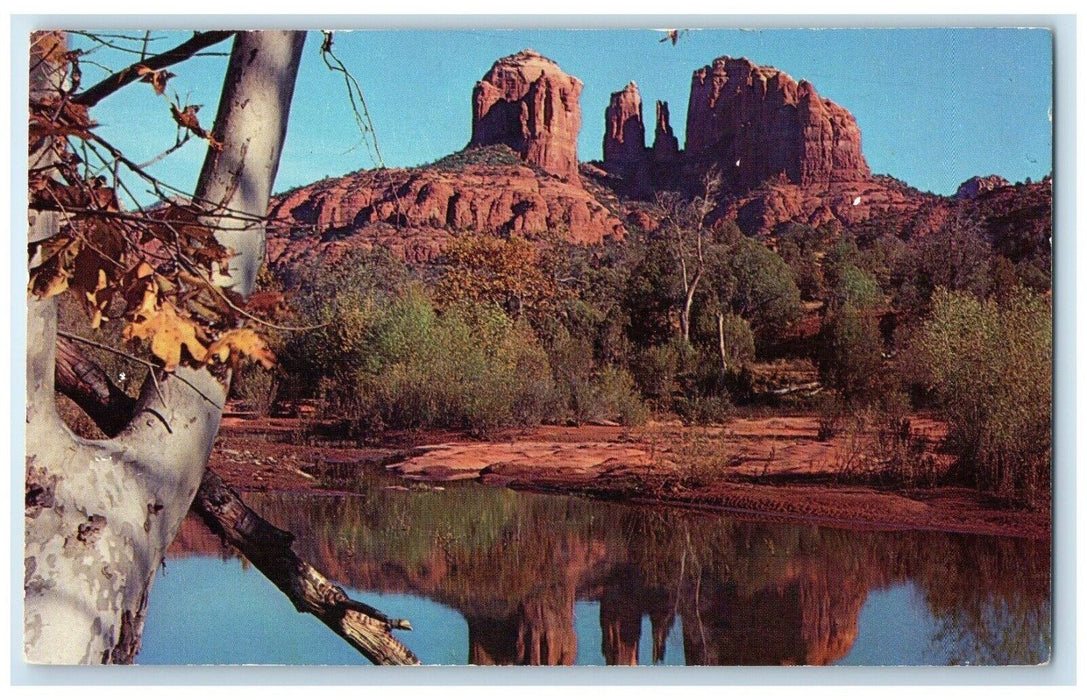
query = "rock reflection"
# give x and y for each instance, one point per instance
(745, 593)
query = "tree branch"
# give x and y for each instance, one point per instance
(84, 382)
(223, 511)
(269, 549)
(181, 52)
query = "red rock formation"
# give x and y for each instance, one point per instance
(539, 633)
(978, 185)
(806, 614)
(756, 122)
(528, 103)
(665, 143)
(778, 201)
(624, 130)
(415, 213)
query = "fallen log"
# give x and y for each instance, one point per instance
(269, 549)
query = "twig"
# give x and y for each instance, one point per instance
(181, 142)
(149, 364)
(362, 119)
(199, 40)
(218, 210)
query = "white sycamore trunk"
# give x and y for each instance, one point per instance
(100, 514)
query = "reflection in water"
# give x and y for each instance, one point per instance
(743, 593)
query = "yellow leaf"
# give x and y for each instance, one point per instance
(168, 333)
(246, 342)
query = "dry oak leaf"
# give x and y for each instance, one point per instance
(157, 78)
(244, 341)
(52, 276)
(60, 118)
(168, 333)
(186, 118)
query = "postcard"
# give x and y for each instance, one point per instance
(659, 346)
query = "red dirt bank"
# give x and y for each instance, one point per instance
(768, 468)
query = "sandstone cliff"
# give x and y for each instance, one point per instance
(624, 138)
(529, 104)
(416, 212)
(756, 122)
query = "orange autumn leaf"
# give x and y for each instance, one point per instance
(245, 342)
(168, 333)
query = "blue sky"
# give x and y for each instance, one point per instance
(935, 106)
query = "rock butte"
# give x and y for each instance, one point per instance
(785, 155)
(529, 104)
(751, 122)
(756, 122)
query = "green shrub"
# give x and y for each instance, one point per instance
(657, 369)
(585, 392)
(499, 154)
(703, 410)
(989, 365)
(469, 367)
(850, 344)
(255, 387)
(399, 362)
(850, 358)
(615, 397)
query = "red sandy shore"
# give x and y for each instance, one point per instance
(767, 468)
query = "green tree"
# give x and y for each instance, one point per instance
(989, 365)
(955, 258)
(764, 291)
(851, 350)
(652, 296)
(684, 223)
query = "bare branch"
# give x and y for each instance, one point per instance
(354, 91)
(269, 549)
(223, 511)
(181, 52)
(180, 142)
(85, 383)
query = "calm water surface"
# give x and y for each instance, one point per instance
(491, 576)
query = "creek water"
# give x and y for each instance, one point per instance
(491, 576)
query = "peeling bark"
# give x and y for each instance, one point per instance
(226, 514)
(100, 514)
